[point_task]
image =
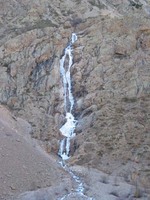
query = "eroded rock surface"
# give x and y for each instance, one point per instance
(111, 77)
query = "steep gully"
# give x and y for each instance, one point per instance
(67, 130)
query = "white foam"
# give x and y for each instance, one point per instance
(68, 128)
(74, 38)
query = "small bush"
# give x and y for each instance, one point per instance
(129, 99)
(135, 4)
(138, 192)
(104, 179)
(114, 193)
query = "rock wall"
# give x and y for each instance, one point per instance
(111, 77)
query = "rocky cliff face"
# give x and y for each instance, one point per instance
(111, 77)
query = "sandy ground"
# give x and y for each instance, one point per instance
(23, 165)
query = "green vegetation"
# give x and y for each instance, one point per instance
(41, 24)
(129, 99)
(104, 179)
(78, 1)
(44, 23)
(136, 4)
(138, 192)
(99, 4)
(114, 193)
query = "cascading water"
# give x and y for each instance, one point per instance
(67, 130)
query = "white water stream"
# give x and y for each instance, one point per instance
(67, 130)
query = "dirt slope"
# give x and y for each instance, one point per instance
(23, 165)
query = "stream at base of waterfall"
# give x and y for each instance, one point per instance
(67, 130)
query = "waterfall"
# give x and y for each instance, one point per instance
(68, 128)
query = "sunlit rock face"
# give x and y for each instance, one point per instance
(110, 76)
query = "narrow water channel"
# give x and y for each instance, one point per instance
(67, 130)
